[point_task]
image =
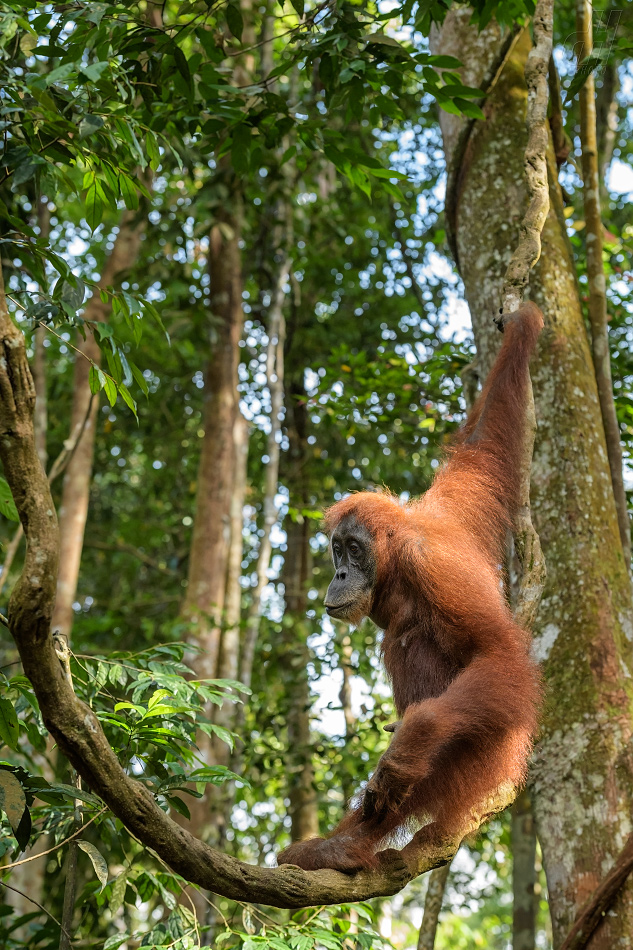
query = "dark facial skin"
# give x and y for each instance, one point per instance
(350, 594)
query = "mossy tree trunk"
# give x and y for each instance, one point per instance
(582, 776)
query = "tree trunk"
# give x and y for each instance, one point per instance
(598, 319)
(523, 874)
(583, 774)
(228, 664)
(76, 490)
(607, 121)
(303, 802)
(214, 809)
(205, 604)
(432, 907)
(275, 377)
(204, 601)
(345, 697)
(40, 418)
(297, 569)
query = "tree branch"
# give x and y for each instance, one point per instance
(562, 143)
(600, 901)
(58, 466)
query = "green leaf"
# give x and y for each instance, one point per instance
(216, 775)
(94, 70)
(153, 312)
(151, 147)
(104, 330)
(222, 734)
(240, 149)
(94, 206)
(465, 92)
(299, 7)
(98, 861)
(110, 389)
(449, 106)
(73, 291)
(7, 504)
(234, 20)
(179, 806)
(69, 791)
(114, 362)
(182, 65)
(23, 831)
(94, 13)
(128, 192)
(89, 124)
(127, 398)
(115, 941)
(581, 76)
(125, 705)
(140, 379)
(12, 798)
(59, 74)
(471, 109)
(383, 39)
(9, 730)
(96, 379)
(111, 176)
(157, 696)
(24, 172)
(118, 893)
(444, 62)
(226, 935)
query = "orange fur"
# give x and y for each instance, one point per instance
(463, 682)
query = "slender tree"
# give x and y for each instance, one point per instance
(598, 317)
(76, 489)
(432, 907)
(275, 377)
(297, 570)
(523, 874)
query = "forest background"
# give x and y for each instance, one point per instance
(232, 238)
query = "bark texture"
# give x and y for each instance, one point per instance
(41, 403)
(210, 606)
(432, 907)
(208, 559)
(583, 773)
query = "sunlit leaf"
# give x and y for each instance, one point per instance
(12, 798)
(7, 504)
(98, 861)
